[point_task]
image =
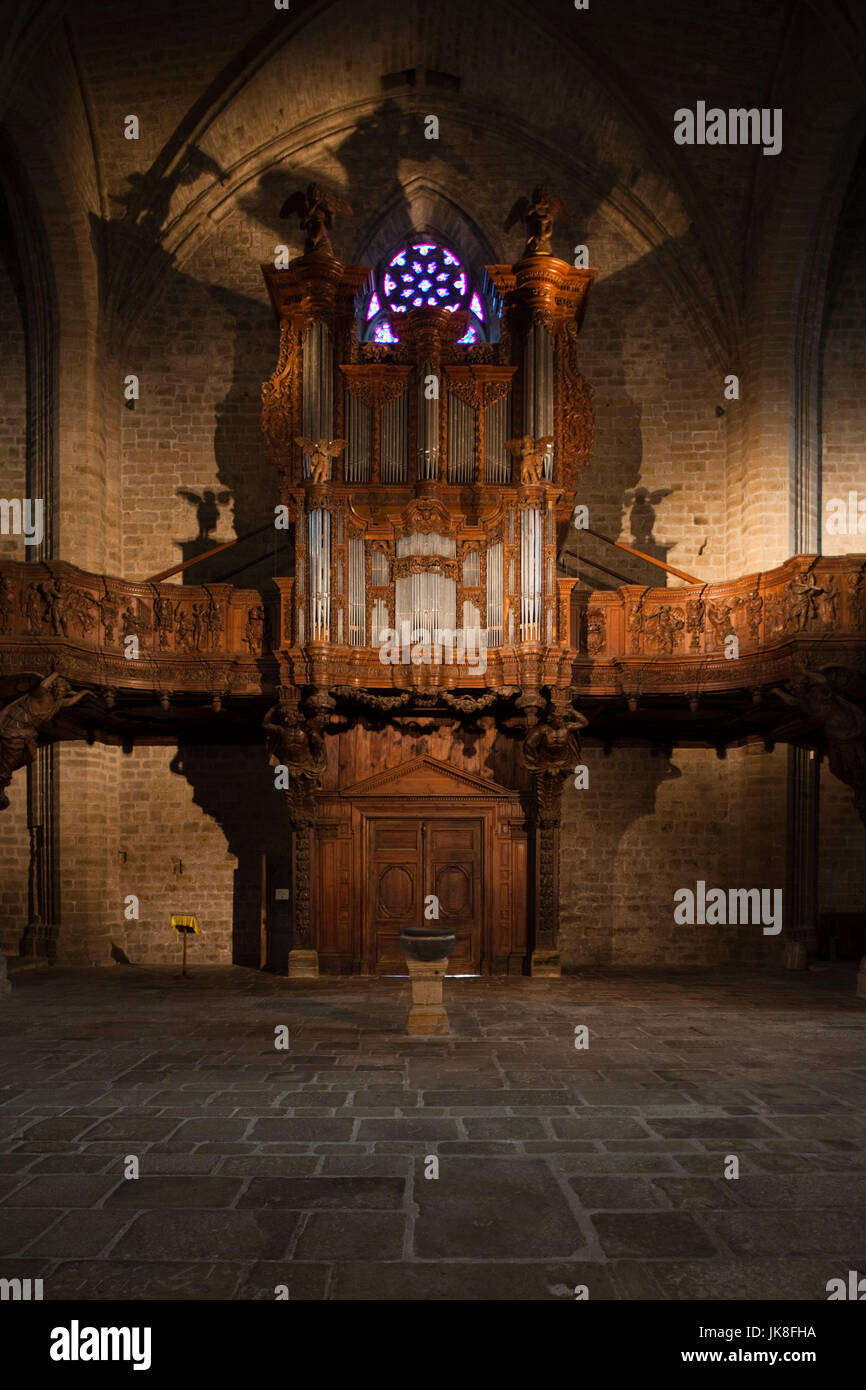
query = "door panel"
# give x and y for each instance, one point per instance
(410, 859)
(453, 855)
(394, 891)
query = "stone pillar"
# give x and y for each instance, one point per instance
(801, 905)
(548, 812)
(43, 914)
(427, 1014)
(303, 957)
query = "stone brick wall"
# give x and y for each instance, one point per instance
(646, 827)
(88, 781)
(842, 839)
(193, 825)
(14, 867)
(174, 858)
(14, 837)
(13, 409)
(201, 356)
(844, 382)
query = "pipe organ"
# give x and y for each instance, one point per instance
(446, 441)
(427, 518)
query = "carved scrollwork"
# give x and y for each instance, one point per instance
(596, 632)
(471, 704)
(277, 395)
(574, 406)
(426, 564)
(377, 702)
(376, 386)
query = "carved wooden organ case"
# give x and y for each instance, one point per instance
(420, 519)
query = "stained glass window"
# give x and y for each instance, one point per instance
(423, 275)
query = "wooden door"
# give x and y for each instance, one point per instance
(409, 860)
(453, 852)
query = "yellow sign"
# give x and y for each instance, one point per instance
(184, 922)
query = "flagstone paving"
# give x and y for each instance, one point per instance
(312, 1166)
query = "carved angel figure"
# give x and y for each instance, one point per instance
(531, 454)
(21, 721)
(539, 214)
(320, 452)
(315, 210)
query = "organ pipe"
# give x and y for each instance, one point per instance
(319, 525)
(530, 575)
(494, 594)
(538, 387)
(357, 592)
(497, 461)
(426, 600)
(318, 390)
(428, 427)
(380, 622)
(421, 543)
(395, 433)
(359, 424)
(461, 440)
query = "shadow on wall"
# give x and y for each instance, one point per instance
(135, 268)
(235, 787)
(240, 469)
(588, 909)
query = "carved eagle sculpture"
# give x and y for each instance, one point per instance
(538, 213)
(531, 453)
(320, 452)
(315, 210)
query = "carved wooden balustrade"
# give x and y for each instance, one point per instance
(210, 638)
(139, 636)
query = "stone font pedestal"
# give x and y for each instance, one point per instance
(303, 965)
(545, 964)
(427, 1014)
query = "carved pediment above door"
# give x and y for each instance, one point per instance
(426, 777)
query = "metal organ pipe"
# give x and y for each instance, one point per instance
(472, 569)
(395, 434)
(319, 523)
(380, 621)
(538, 387)
(357, 592)
(318, 392)
(461, 440)
(530, 574)
(426, 600)
(494, 594)
(428, 427)
(358, 432)
(497, 461)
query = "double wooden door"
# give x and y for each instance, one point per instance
(410, 861)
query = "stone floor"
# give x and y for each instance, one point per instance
(558, 1167)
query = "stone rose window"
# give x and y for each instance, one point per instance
(424, 274)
